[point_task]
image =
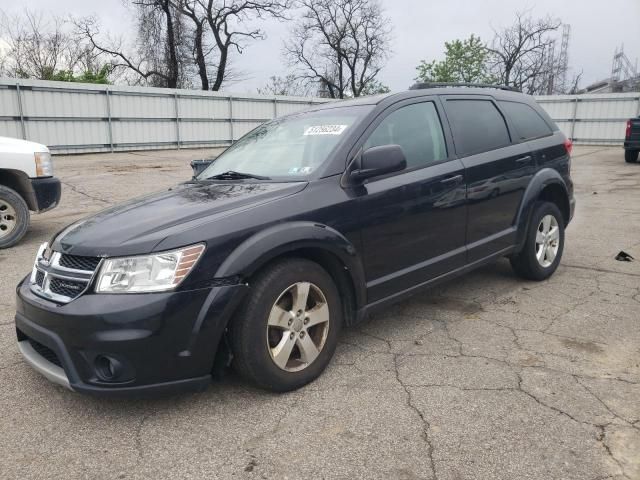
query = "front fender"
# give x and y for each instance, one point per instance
(277, 240)
(542, 179)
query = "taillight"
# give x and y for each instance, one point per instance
(568, 145)
(627, 135)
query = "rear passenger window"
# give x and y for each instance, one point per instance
(528, 123)
(477, 126)
(417, 129)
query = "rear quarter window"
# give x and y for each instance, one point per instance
(477, 125)
(527, 122)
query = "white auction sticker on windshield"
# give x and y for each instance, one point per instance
(325, 130)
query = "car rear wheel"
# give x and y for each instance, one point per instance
(287, 332)
(544, 244)
(14, 217)
(631, 156)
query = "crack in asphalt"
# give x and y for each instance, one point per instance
(138, 438)
(425, 423)
(602, 439)
(76, 189)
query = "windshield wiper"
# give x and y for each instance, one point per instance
(232, 175)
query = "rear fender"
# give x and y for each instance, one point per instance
(542, 179)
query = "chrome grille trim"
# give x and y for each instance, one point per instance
(51, 268)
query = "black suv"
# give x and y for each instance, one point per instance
(305, 225)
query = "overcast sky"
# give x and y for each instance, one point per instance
(420, 28)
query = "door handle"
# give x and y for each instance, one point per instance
(526, 159)
(450, 180)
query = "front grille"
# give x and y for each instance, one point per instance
(45, 352)
(62, 278)
(77, 262)
(66, 288)
(40, 278)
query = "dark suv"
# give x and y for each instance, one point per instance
(305, 225)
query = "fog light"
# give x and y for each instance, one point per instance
(107, 369)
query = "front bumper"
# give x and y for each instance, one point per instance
(157, 342)
(42, 194)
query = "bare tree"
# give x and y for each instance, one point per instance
(227, 20)
(519, 54)
(159, 56)
(39, 46)
(287, 85)
(340, 44)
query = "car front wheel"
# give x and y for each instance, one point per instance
(14, 217)
(544, 244)
(287, 332)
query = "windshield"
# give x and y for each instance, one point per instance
(292, 146)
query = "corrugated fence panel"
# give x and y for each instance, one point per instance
(58, 103)
(8, 102)
(137, 106)
(10, 128)
(73, 118)
(250, 109)
(198, 132)
(67, 134)
(203, 107)
(144, 132)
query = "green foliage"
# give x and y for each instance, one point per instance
(465, 61)
(374, 87)
(88, 76)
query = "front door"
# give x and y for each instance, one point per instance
(414, 220)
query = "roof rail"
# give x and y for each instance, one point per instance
(423, 85)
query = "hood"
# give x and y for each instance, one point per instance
(137, 226)
(15, 145)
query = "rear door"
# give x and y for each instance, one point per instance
(497, 168)
(413, 221)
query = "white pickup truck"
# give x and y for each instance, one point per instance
(26, 183)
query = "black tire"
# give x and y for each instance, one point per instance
(526, 263)
(14, 217)
(248, 332)
(631, 156)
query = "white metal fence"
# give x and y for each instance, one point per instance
(75, 118)
(593, 119)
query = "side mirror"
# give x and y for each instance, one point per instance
(378, 161)
(198, 166)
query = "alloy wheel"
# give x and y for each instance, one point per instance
(297, 327)
(547, 240)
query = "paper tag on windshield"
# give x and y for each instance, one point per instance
(325, 130)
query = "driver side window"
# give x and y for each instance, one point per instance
(417, 129)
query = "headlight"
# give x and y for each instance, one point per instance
(148, 273)
(44, 165)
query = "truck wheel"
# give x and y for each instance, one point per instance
(544, 243)
(287, 332)
(631, 156)
(14, 217)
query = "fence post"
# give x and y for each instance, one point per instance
(638, 112)
(177, 111)
(573, 120)
(110, 128)
(22, 125)
(231, 117)
(275, 108)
